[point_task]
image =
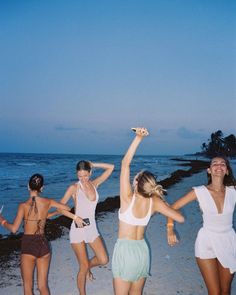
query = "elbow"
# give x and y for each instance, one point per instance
(182, 219)
(124, 162)
(14, 230)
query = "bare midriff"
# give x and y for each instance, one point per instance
(131, 232)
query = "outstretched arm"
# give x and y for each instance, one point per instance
(108, 170)
(59, 206)
(13, 227)
(66, 212)
(125, 186)
(164, 208)
(171, 236)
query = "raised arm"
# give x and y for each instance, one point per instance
(171, 236)
(13, 227)
(108, 170)
(125, 186)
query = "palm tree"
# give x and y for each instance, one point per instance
(219, 145)
(230, 145)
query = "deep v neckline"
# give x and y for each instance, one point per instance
(211, 197)
(82, 189)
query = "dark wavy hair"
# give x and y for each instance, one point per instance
(83, 165)
(229, 179)
(36, 182)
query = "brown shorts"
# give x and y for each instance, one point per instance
(35, 245)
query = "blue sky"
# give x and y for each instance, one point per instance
(76, 75)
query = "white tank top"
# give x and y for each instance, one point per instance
(212, 220)
(129, 218)
(85, 208)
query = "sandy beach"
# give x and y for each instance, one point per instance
(173, 270)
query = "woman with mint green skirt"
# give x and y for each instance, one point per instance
(131, 257)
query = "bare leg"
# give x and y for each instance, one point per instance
(27, 273)
(82, 257)
(137, 287)
(121, 287)
(42, 271)
(210, 274)
(100, 257)
(225, 279)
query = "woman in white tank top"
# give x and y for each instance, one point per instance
(83, 229)
(215, 246)
(131, 257)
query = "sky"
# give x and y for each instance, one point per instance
(76, 75)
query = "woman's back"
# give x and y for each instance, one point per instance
(134, 218)
(35, 214)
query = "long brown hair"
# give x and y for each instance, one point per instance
(229, 179)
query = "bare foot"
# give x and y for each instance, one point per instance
(90, 276)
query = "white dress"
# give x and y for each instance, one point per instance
(217, 238)
(84, 208)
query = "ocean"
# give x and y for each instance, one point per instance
(59, 172)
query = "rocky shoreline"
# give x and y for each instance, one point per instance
(10, 245)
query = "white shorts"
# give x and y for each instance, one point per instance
(203, 246)
(85, 234)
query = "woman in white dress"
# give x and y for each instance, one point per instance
(215, 246)
(83, 229)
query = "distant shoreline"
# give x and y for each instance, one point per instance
(54, 227)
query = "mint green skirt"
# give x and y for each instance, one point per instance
(131, 260)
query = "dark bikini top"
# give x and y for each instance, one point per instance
(40, 222)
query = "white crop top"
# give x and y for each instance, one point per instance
(129, 218)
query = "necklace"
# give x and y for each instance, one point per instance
(217, 190)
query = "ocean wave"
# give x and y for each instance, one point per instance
(26, 164)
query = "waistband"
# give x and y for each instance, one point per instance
(218, 230)
(131, 241)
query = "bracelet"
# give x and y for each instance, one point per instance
(3, 222)
(170, 224)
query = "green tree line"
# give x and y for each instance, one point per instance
(219, 145)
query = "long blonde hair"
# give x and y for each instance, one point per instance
(147, 185)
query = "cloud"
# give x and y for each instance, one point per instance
(166, 131)
(186, 133)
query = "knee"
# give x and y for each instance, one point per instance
(84, 267)
(103, 260)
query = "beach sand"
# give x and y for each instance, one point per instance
(173, 269)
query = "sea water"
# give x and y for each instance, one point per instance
(59, 172)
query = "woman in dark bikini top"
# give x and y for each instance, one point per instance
(35, 250)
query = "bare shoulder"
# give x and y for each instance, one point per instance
(45, 199)
(73, 187)
(23, 205)
(125, 200)
(71, 190)
(156, 201)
